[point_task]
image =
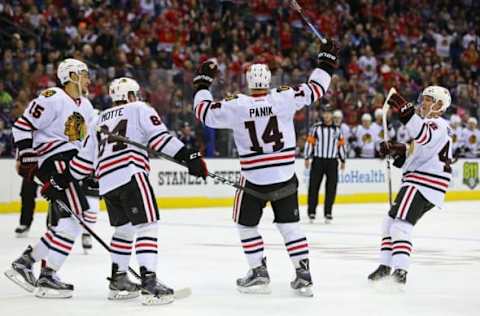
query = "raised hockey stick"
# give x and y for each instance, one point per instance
(294, 4)
(271, 196)
(178, 293)
(385, 109)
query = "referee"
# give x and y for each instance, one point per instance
(325, 144)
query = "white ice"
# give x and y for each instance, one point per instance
(199, 248)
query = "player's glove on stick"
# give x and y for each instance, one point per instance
(28, 159)
(327, 59)
(397, 150)
(205, 75)
(194, 161)
(404, 108)
(52, 189)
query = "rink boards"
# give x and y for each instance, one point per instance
(363, 181)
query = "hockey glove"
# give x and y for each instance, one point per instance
(205, 74)
(52, 189)
(90, 186)
(393, 149)
(194, 161)
(327, 59)
(404, 108)
(28, 160)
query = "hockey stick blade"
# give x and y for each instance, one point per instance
(271, 196)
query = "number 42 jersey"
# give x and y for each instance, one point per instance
(262, 125)
(114, 163)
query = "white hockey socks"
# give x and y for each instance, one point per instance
(402, 246)
(146, 245)
(386, 245)
(295, 242)
(121, 246)
(90, 215)
(60, 240)
(252, 244)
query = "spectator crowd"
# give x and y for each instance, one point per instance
(403, 43)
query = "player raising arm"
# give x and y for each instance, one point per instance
(264, 135)
(426, 176)
(122, 170)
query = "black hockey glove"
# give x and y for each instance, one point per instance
(52, 189)
(194, 161)
(327, 58)
(404, 108)
(393, 149)
(90, 186)
(28, 160)
(205, 75)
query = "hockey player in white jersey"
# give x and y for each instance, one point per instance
(122, 171)
(365, 138)
(457, 134)
(48, 135)
(471, 139)
(426, 177)
(264, 134)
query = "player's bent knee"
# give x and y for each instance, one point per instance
(126, 231)
(147, 229)
(401, 230)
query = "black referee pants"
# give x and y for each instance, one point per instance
(319, 168)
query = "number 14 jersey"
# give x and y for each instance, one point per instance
(263, 127)
(114, 163)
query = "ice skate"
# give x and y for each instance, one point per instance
(399, 276)
(328, 219)
(303, 280)
(50, 286)
(121, 288)
(311, 218)
(381, 273)
(22, 231)
(21, 272)
(86, 243)
(256, 281)
(154, 292)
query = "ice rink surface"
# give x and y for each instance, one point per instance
(200, 249)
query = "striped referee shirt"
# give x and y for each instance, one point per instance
(325, 141)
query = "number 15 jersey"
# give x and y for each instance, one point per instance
(262, 125)
(114, 163)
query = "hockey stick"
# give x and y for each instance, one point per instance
(385, 109)
(178, 293)
(271, 196)
(294, 4)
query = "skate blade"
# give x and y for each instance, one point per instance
(43, 292)
(17, 278)
(182, 293)
(255, 289)
(311, 221)
(122, 295)
(328, 221)
(304, 291)
(21, 235)
(149, 299)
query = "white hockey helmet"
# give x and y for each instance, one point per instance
(438, 94)
(121, 87)
(67, 66)
(366, 117)
(258, 76)
(455, 119)
(337, 114)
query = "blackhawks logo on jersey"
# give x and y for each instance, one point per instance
(472, 139)
(454, 138)
(470, 174)
(367, 138)
(48, 93)
(75, 128)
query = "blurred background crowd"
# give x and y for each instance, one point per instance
(403, 43)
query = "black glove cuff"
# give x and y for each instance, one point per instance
(407, 114)
(24, 144)
(327, 67)
(181, 155)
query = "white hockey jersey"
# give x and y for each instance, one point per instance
(378, 130)
(115, 163)
(262, 126)
(55, 122)
(457, 138)
(471, 142)
(367, 140)
(403, 136)
(428, 166)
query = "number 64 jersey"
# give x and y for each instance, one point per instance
(114, 163)
(262, 125)
(428, 166)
